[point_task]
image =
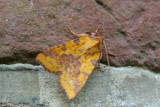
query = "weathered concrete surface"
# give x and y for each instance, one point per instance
(26, 85)
(19, 85)
(129, 27)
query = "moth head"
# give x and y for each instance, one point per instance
(97, 36)
(94, 35)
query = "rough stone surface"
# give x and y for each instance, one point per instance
(130, 28)
(31, 86)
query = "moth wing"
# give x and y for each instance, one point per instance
(76, 73)
(74, 61)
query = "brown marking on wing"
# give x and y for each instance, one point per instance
(94, 62)
(80, 50)
(77, 41)
(64, 47)
(69, 62)
(85, 74)
(77, 86)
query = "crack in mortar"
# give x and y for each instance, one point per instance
(106, 8)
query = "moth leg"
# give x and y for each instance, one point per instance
(111, 54)
(106, 54)
(99, 63)
(100, 57)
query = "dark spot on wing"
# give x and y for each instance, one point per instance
(80, 50)
(64, 47)
(77, 86)
(94, 62)
(76, 41)
(50, 53)
(66, 59)
(85, 74)
(88, 48)
(63, 55)
(77, 66)
(73, 65)
(59, 72)
(47, 53)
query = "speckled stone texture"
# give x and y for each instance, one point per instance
(24, 85)
(131, 29)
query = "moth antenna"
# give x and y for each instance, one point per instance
(106, 53)
(95, 31)
(73, 32)
(86, 26)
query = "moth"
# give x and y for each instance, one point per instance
(74, 61)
